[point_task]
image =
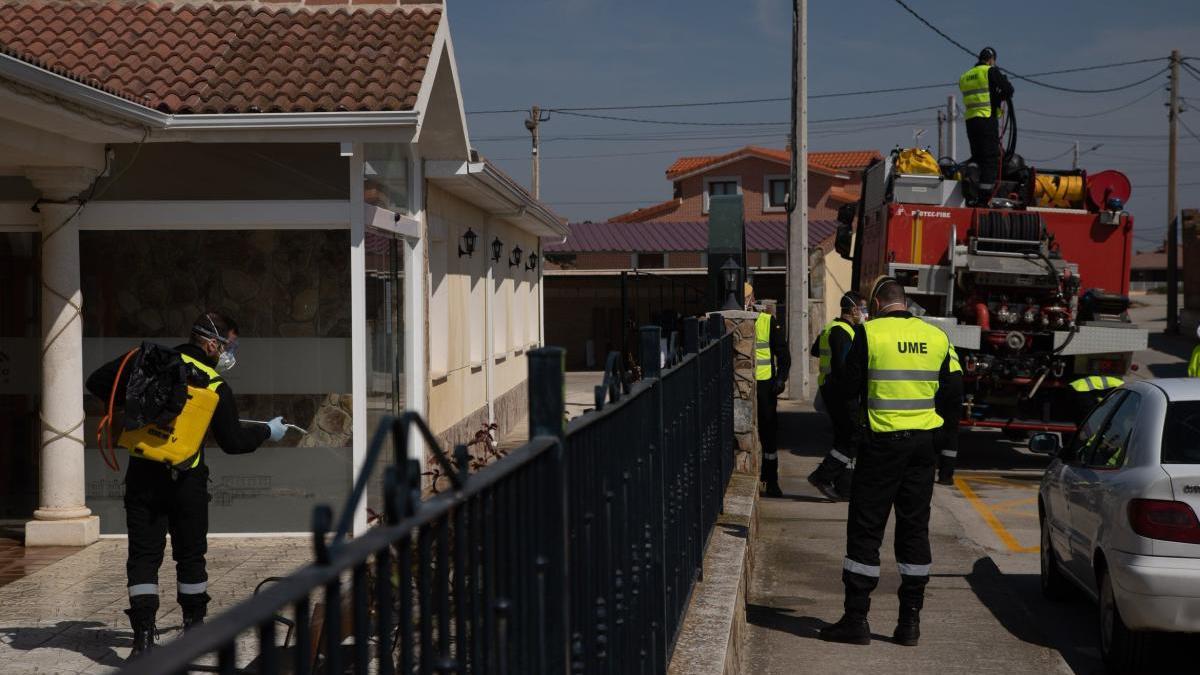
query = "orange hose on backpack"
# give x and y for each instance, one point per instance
(104, 431)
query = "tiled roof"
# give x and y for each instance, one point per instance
(845, 159)
(692, 235)
(229, 58)
(827, 162)
(646, 212)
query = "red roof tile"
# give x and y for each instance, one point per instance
(229, 58)
(823, 162)
(667, 237)
(646, 212)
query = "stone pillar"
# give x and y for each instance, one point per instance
(745, 392)
(61, 519)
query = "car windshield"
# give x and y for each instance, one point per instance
(1181, 435)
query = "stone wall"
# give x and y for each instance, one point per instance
(745, 392)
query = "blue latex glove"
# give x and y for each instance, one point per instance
(277, 427)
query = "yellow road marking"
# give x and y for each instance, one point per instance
(1005, 482)
(990, 518)
(1011, 505)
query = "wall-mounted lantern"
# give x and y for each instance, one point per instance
(515, 258)
(497, 245)
(466, 245)
(731, 275)
(533, 262)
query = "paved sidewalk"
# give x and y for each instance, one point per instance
(975, 619)
(67, 617)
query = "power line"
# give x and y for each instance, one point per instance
(1137, 100)
(1064, 153)
(640, 120)
(1187, 128)
(1027, 78)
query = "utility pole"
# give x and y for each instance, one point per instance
(797, 259)
(533, 124)
(952, 131)
(941, 119)
(1172, 207)
(1075, 156)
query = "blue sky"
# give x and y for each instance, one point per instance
(581, 53)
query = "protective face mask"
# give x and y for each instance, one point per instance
(225, 362)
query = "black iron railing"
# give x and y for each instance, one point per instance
(575, 553)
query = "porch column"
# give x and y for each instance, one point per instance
(61, 519)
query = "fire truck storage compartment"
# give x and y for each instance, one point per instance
(924, 189)
(1009, 232)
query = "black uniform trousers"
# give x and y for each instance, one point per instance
(768, 421)
(983, 133)
(843, 424)
(893, 471)
(158, 502)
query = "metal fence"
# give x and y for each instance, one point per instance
(576, 553)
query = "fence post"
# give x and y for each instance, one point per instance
(650, 353)
(691, 345)
(547, 411)
(691, 335)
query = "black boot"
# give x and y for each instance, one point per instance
(851, 629)
(192, 618)
(772, 489)
(946, 477)
(908, 628)
(825, 477)
(143, 637)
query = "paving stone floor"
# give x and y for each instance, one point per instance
(66, 617)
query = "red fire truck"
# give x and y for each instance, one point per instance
(1031, 289)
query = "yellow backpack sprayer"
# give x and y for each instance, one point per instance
(176, 444)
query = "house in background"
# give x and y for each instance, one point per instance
(650, 266)
(1148, 269)
(306, 169)
(761, 176)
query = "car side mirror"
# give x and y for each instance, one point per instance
(1044, 443)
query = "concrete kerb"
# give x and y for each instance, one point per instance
(714, 627)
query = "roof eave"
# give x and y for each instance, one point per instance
(83, 94)
(743, 155)
(492, 185)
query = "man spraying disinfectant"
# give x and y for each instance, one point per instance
(171, 399)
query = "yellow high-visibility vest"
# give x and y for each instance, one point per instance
(904, 360)
(1096, 383)
(1194, 363)
(977, 97)
(762, 347)
(826, 356)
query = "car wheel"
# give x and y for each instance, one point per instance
(1123, 649)
(1054, 584)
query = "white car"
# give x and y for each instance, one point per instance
(1117, 508)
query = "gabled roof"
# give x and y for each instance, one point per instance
(669, 237)
(181, 59)
(830, 163)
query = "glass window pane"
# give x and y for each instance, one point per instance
(1181, 435)
(385, 340)
(779, 189)
(1109, 451)
(20, 376)
(1089, 432)
(289, 292)
(385, 176)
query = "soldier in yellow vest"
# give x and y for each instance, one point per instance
(983, 88)
(832, 476)
(771, 365)
(161, 499)
(910, 382)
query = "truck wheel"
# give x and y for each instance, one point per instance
(1054, 584)
(1123, 649)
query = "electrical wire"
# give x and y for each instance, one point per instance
(1102, 113)
(1064, 153)
(1027, 78)
(640, 120)
(1187, 128)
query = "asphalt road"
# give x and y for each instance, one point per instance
(984, 610)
